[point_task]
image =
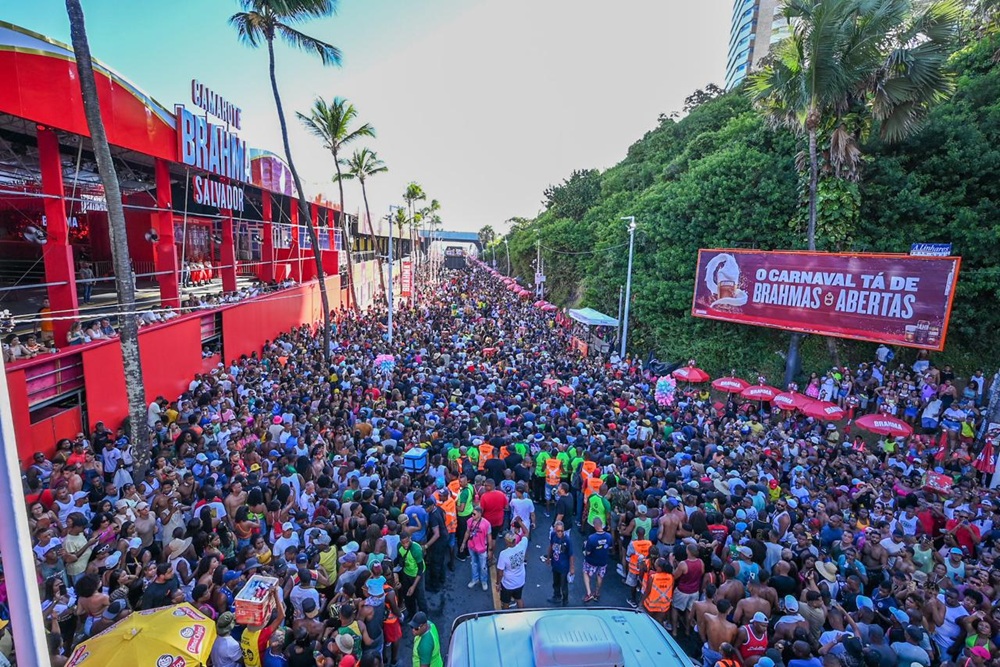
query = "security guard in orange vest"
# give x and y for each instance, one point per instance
(637, 553)
(485, 454)
(659, 591)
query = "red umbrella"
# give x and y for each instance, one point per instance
(823, 411)
(539, 304)
(549, 307)
(730, 385)
(884, 425)
(790, 400)
(760, 392)
(986, 462)
(691, 374)
(525, 294)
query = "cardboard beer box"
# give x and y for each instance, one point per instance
(565, 391)
(254, 603)
(938, 483)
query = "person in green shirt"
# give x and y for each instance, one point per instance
(566, 460)
(426, 642)
(464, 504)
(598, 507)
(411, 577)
(538, 482)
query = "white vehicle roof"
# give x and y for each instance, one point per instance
(592, 637)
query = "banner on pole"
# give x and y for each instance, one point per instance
(406, 278)
(893, 299)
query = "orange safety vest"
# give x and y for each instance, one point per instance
(587, 469)
(552, 474)
(661, 592)
(504, 452)
(485, 454)
(641, 551)
(454, 487)
(593, 486)
(450, 509)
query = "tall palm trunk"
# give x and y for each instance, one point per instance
(371, 233)
(347, 235)
(303, 205)
(129, 324)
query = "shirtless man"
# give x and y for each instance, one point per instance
(236, 499)
(732, 589)
(669, 523)
(715, 631)
(706, 606)
(875, 558)
(747, 607)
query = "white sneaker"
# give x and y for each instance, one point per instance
(485, 586)
(472, 584)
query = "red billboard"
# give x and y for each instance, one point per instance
(893, 299)
(406, 278)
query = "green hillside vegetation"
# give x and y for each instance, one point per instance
(721, 177)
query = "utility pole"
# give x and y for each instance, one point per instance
(507, 245)
(392, 286)
(628, 282)
(621, 297)
(538, 268)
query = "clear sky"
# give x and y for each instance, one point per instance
(483, 102)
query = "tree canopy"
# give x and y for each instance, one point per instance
(720, 177)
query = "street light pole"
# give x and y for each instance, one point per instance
(507, 245)
(392, 286)
(628, 281)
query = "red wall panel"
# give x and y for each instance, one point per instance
(246, 326)
(61, 424)
(17, 387)
(171, 355)
(104, 380)
(44, 88)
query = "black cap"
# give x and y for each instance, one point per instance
(419, 619)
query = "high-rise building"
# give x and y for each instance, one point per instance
(755, 26)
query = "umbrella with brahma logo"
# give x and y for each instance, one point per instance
(824, 411)
(790, 400)
(760, 392)
(883, 424)
(176, 636)
(691, 374)
(730, 385)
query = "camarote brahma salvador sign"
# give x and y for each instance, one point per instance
(893, 299)
(213, 148)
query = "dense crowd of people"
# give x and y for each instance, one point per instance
(363, 485)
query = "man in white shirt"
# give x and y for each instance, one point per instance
(521, 505)
(226, 651)
(289, 538)
(510, 563)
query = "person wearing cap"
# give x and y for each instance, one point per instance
(226, 651)
(751, 639)
(510, 566)
(426, 642)
(255, 638)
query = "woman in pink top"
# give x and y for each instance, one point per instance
(477, 539)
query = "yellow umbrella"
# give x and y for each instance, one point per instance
(177, 636)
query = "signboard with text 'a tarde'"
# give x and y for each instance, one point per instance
(892, 299)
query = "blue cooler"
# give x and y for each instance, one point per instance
(415, 461)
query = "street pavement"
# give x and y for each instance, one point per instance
(457, 599)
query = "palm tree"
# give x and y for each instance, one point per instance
(848, 66)
(260, 22)
(129, 325)
(331, 123)
(413, 194)
(362, 165)
(487, 236)
(401, 221)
